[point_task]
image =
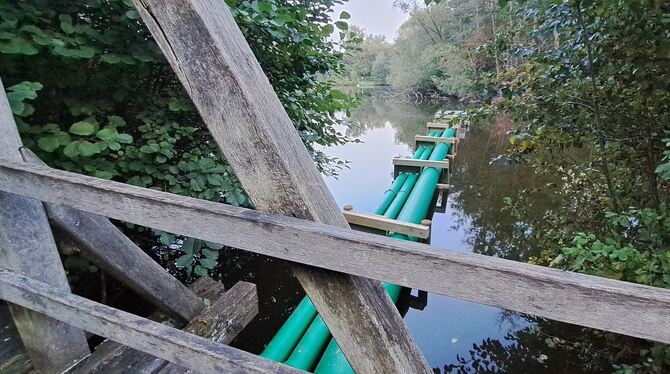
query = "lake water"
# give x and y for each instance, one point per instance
(454, 335)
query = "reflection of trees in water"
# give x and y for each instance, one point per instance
(547, 347)
(480, 187)
(407, 119)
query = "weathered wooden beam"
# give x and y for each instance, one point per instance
(382, 223)
(112, 357)
(421, 163)
(27, 247)
(434, 139)
(190, 351)
(219, 71)
(438, 125)
(221, 322)
(606, 304)
(108, 248)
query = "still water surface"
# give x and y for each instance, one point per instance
(446, 328)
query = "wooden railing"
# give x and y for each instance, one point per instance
(339, 269)
(610, 305)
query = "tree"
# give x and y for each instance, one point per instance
(93, 94)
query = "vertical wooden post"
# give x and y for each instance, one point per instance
(235, 99)
(27, 247)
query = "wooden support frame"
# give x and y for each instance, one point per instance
(107, 247)
(600, 303)
(230, 311)
(421, 163)
(433, 139)
(438, 125)
(380, 222)
(27, 246)
(188, 350)
(410, 165)
(220, 73)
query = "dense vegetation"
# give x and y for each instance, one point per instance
(587, 85)
(584, 86)
(92, 93)
(434, 50)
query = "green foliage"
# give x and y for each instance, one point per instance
(663, 169)
(433, 51)
(588, 85)
(635, 249)
(367, 58)
(93, 94)
(198, 256)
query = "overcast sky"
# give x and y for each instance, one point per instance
(377, 17)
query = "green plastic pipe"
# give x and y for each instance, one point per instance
(391, 193)
(422, 153)
(282, 344)
(300, 340)
(286, 339)
(308, 351)
(415, 209)
(302, 351)
(418, 202)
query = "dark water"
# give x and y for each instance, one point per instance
(455, 336)
(469, 336)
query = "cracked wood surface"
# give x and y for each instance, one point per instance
(221, 322)
(188, 350)
(27, 247)
(217, 68)
(601, 303)
(107, 247)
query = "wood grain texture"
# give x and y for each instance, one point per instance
(107, 247)
(222, 321)
(585, 300)
(13, 358)
(112, 357)
(27, 247)
(187, 350)
(217, 68)
(434, 139)
(380, 222)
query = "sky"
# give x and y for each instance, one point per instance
(377, 17)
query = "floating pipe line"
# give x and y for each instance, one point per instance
(415, 209)
(304, 338)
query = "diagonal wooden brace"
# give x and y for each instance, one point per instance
(219, 71)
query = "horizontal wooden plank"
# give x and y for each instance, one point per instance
(223, 320)
(187, 350)
(438, 125)
(585, 300)
(112, 357)
(433, 139)
(107, 247)
(443, 186)
(421, 163)
(377, 221)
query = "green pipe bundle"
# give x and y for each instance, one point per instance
(301, 341)
(415, 208)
